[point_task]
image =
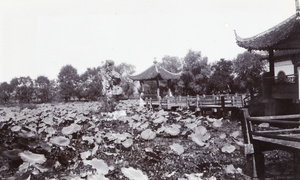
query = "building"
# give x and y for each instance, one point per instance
(281, 85)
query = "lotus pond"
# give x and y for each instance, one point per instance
(79, 141)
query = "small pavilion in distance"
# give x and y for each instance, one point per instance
(155, 73)
(281, 91)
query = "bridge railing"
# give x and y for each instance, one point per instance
(224, 100)
(265, 133)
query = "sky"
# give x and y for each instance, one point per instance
(39, 37)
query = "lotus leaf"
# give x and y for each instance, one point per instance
(32, 158)
(228, 148)
(148, 134)
(217, 123)
(127, 143)
(60, 141)
(98, 164)
(173, 130)
(134, 174)
(71, 129)
(177, 148)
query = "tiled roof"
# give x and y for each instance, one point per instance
(156, 72)
(285, 35)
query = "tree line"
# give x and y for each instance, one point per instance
(240, 75)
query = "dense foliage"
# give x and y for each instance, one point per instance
(68, 80)
(195, 73)
(248, 68)
(240, 75)
(221, 80)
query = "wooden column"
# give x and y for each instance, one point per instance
(169, 90)
(142, 86)
(157, 85)
(158, 94)
(271, 62)
(298, 82)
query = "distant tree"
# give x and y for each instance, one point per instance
(5, 92)
(174, 65)
(125, 69)
(126, 83)
(221, 79)
(43, 89)
(68, 79)
(54, 91)
(248, 68)
(91, 84)
(171, 63)
(22, 89)
(195, 73)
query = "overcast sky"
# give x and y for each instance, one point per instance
(40, 37)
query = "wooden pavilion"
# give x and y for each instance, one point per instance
(281, 91)
(155, 73)
(280, 102)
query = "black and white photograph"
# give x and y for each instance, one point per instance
(149, 89)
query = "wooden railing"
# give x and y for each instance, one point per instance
(291, 78)
(228, 100)
(281, 132)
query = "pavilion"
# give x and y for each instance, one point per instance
(155, 73)
(282, 42)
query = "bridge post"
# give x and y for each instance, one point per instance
(197, 103)
(296, 165)
(168, 104)
(150, 103)
(147, 102)
(222, 109)
(187, 102)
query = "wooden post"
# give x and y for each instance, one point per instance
(298, 82)
(297, 164)
(249, 150)
(147, 102)
(271, 62)
(259, 161)
(151, 103)
(222, 110)
(187, 102)
(197, 103)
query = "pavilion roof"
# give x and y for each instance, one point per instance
(156, 72)
(283, 36)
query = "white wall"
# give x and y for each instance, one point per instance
(286, 66)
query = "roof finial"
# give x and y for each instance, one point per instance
(297, 7)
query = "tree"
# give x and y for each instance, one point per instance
(248, 69)
(5, 92)
(171, 63)
(68, 79)
(125, 69)
(126, 83)
(91, 84)
(22, 89)
(43, 89)
(221, 79)
(195, 73)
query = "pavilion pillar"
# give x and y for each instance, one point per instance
(157, 85)
(271, 62)
(298, 82)
(268, 82)
(142, 86)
